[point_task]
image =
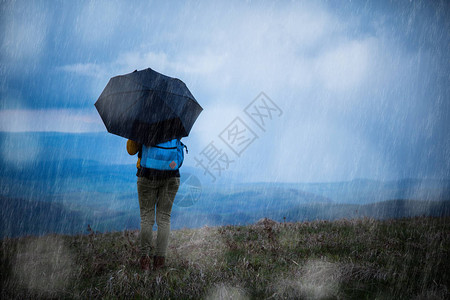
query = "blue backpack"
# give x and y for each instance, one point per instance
(167, 156)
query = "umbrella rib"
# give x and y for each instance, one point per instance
(149, 89)
(136, 101)
(153, 90)
(131, 105)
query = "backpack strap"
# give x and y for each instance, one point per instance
(185, 147)
(167, 148)
(140, 152)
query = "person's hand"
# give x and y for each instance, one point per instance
(133, 147)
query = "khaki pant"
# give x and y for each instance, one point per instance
(159, 193)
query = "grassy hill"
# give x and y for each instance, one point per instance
(343, 259)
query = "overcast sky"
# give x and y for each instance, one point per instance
(362, 87)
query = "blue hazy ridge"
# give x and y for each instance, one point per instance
(74, 181)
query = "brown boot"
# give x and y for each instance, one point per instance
(158, 262)
(145, 262)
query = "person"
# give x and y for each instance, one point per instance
(156, 191)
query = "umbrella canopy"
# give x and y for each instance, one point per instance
(147, 107)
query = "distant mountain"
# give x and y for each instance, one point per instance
(400, 208)
(22, 149)
(84, 179)
(363, 191)
(21, 217)
(50, 166)
(390, 209)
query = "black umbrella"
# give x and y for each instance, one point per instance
(147, 107)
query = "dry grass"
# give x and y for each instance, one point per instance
(345, 259)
